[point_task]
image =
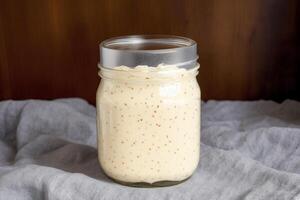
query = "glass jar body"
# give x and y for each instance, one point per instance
(148, 125)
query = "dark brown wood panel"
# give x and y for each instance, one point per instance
(248, 49)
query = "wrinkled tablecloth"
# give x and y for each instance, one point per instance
(249, 151)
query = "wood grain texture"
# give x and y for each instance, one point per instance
(248, 49)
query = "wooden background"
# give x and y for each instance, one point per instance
(249, 49)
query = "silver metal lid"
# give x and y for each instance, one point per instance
(150, 50)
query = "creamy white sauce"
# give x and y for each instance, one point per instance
(148, 123)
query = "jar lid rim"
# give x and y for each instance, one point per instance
(151, 50)
(126, 43)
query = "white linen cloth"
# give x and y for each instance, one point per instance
(249, 151)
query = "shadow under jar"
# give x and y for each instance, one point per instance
(148, 110)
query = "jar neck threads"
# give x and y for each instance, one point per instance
(146, 73)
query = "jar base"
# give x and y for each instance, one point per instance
(148, 185)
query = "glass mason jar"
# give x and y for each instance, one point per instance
(148, 109)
